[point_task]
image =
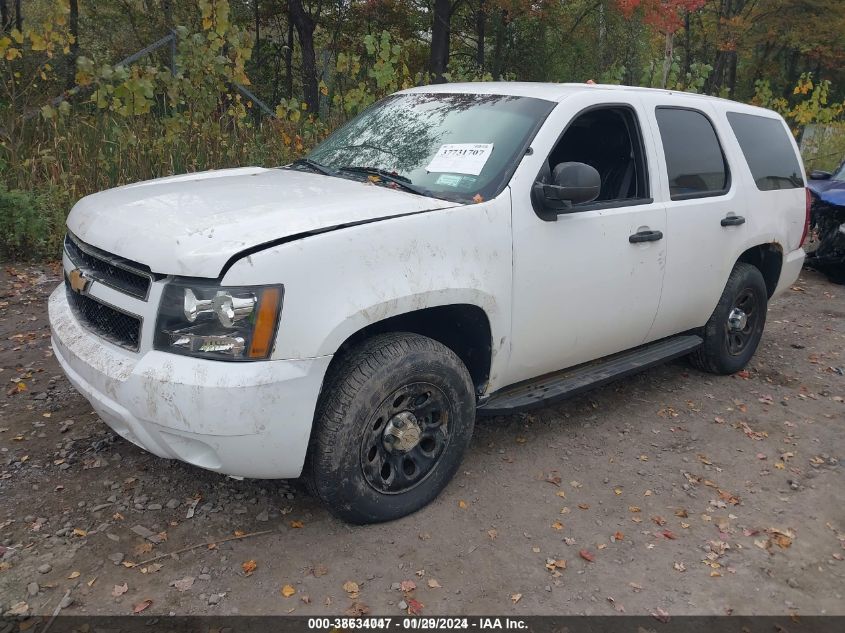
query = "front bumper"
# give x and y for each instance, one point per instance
(249, 419)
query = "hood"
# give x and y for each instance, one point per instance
(193, 224)
(830, 191)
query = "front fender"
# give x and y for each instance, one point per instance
(337, 283)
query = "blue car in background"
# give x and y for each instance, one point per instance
(827, 220)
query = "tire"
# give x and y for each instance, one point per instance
(729, 344)
(393, 421)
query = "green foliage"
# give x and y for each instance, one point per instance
(24, 224)
(151, 118)
(809, 103)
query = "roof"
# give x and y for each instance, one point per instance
(559, 91)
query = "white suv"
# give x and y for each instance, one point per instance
(455, 250)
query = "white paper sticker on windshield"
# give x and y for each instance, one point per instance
(461, 158)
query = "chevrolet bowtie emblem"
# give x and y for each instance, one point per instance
(78, 281)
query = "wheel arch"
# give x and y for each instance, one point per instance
(768, 259)
(464, 328)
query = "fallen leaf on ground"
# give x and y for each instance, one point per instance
(679, 567)
(80, 533)
(660, 615)
(249, 567)
(553, 479)
(561, 494)
(415, 607)
(618, 536)
(587, 555)
(407, 585)
(357, 609)
(669, 534)
(239, 533)
(297, 524)
(781, 537)
(462, 504)
(74, 574)
(141, 606)
(557, 525)
(516, 597)
(584, 506)
(350, 586)
(659, 520)
(432, 583)
(288, 591)
(119, 590)
(492, 534)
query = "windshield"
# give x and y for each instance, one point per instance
(460, 147)
(839, 174)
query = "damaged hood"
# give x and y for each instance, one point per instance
(193, 224)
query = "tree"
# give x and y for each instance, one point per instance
(667, 16)
(305, 25)
(441, 33)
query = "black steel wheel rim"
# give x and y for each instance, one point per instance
(394, 466)
(737, 340)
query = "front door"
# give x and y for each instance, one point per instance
(587, 284)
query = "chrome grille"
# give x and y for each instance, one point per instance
(112, 324)
(121, 274)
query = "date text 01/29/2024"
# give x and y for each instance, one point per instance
(418, 623)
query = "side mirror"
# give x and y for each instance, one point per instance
(572, 183)
(818, 174)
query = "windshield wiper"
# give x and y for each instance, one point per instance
(401, 181)
(314, 166)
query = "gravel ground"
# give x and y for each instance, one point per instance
(671, 492)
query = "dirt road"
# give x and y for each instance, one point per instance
(672, 490)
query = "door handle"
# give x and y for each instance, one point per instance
(645, 236)
(733, 220)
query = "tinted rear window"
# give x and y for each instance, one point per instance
(694, 157)
(766, 147)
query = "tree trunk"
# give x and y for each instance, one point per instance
(440, 32)
(4, 16)
(499, 43)
(731, 73)
(167, 11)
(480, 23)
(18, 16)
(305, 26)
(687, 45)
(289, 61)
(257, 36)
(668, 53)
(70, 59)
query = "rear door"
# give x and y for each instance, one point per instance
(705, 210)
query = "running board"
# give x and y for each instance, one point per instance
(570, 382)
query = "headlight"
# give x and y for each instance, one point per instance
(228, 323)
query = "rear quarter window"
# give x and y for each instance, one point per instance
(767, 150)
(695, 161)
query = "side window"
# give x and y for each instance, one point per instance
(694, 158)
(767, 151)
(609, 140)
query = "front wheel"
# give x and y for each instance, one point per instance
(734, 330)
(393, 422)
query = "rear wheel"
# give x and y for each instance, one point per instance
(732, 334)
(393, 422)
